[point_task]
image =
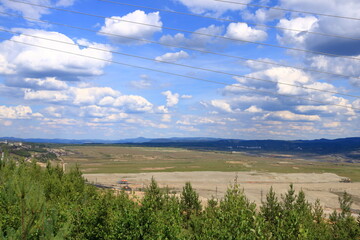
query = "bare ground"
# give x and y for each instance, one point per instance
(325, 186)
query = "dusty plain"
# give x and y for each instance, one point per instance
(211, 173)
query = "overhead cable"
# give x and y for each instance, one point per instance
(181, 47)
(230, 20)
(192, 32)
(183, 65)
(184, 76)
(288, 10)
(184, 47)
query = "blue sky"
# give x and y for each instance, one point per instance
(51, 94)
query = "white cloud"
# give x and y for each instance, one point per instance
(304, 24)
(289, 116)
(6, 67)
(331, 26)
(172, 57)
(332, 124)
(337, 65)
(40, 62)
(46, 95)
(119, 26)
(254, 109)
(171, 98)
(222, 105)
(59, 121)
(186, 96)
(49, 83)
(203, 6)
(27, 10)
(91, 95)
(166, 118)
(162, 109)
(133, 103)
(262, 15)
(116, 117)
(31, 11)
(195, 40)
(54, 111)
(17, 112)
(192, 120)
(242, 31)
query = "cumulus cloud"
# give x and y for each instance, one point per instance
(88, 96)
(191, 120)
(119, 26)
(17, 112)
(24, 60)
(172, 57)
(32, 11)
(91, 95)
(171, 98)
(262, 15)
(205, 6)
(332, 26)
(290, 116)
(46, 96)
(337, 65)
(132, 103)
(221, 105)
(5, 67)
(304, 24)
(242, 31)
(194, 40)
(254, 109)
(48, 83)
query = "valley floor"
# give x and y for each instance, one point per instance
(326, 186)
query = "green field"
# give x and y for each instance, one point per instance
(120, 159)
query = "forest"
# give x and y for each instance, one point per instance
(47, 203)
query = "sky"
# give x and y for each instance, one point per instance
(86, 69)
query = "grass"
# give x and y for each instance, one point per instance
(120, 159)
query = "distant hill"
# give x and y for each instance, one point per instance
(346, 146)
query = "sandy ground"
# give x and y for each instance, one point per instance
(325, 187)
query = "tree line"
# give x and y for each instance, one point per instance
(38, 203)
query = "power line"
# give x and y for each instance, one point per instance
(182, 65)
(288, 10)
(181, 75)
(192, 32)
(182, 47)
(230, 20)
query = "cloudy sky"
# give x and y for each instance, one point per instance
(102, 75)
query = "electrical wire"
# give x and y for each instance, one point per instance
(230, 20)
(182, 47)
(182, 65)
(184, 76)
(192, 32)
(288, 10)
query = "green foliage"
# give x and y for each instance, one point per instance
(45, 157)
(21, 152)
(344, 225)
(47, 203)
(190, 203)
